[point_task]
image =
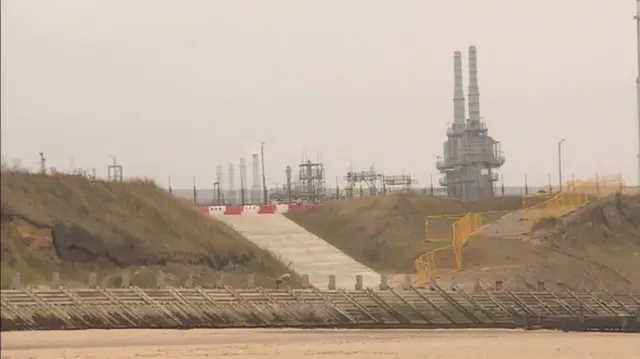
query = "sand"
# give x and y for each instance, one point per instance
(289, 343)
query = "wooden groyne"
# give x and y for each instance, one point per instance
(409, 307)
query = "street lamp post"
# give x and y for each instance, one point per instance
(264, 178)
(560, 162)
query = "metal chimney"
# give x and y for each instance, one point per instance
(458, 92)
(474, 90)
(231, 190)
(243, 181)
(256, 190)
(220, 180)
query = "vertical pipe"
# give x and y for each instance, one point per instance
(255, 185)
(264, 178)
(195, 192)
(474, 90)
(560, 164)
(219, 174)
(231, 185)
(458, 92)
(288, 173)
(243, 181)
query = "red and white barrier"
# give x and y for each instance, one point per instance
(255, 209)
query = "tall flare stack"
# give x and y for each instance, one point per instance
(243, 181)
(471, 158)
(474, 90)
(459, 112)
(231, 190)
(256, 190)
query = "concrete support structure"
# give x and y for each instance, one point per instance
(160, 279)
(93, 280)
(15, 281)
(332, 282)
(125, 279)
(55, 280)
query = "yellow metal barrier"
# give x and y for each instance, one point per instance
(427, 264)
(598, 186)
(440, 228)
(465, 226)
(576, 195)
(463, 229)
(425, 267)
(556, 206)
(531, 200)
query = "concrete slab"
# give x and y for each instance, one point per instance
(303, 251)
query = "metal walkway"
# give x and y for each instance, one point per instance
(42, 309)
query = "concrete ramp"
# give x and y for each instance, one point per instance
(516, 224)
(511, 225)
(304, 252)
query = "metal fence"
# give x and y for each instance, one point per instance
(41, 309)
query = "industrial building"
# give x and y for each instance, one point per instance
(470, 157)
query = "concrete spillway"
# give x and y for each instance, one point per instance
(304, 252)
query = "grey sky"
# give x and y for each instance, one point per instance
(177, 87)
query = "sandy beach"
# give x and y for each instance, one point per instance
(289, 343)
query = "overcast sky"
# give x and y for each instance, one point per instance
(173, 88)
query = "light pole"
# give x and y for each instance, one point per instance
(637, 17)
(560, 161)
(264, 178)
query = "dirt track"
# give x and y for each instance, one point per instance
(355, 344)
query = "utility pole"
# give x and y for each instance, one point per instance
(560, 161)
(195, 192)
(264, 178)
(637, 17)
(114, 171)
(216, 195)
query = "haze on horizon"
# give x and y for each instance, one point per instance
(178, 87)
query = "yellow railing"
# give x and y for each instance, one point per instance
(598, 186)
(427, 264)
(576, 195)
(556, 206)
(449, 258)
(440, 228)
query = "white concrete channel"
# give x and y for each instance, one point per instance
(304, 252)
